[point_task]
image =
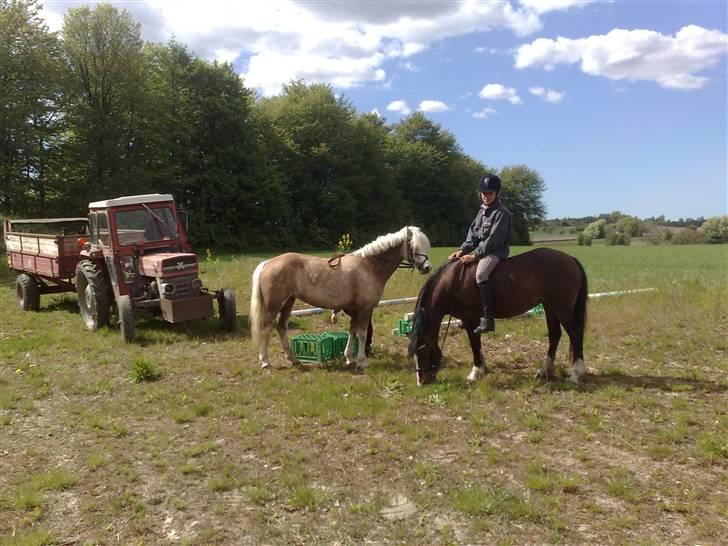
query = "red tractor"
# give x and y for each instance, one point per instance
(131, 251)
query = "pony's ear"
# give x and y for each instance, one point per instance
(409, 233)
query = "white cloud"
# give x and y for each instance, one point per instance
(375, 111)
(434, 106)
(410, 67)
(671, 62)
(485, 113)
(549, 95)
(496, 91)
(544, 6)
(481, 49)
(399, 106)
(345, 44)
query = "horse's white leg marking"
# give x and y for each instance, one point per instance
(547, 370)
(263, 356)
(362, 352)
(349, 351)
(476, 373)
(578, 371)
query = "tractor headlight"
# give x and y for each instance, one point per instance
(196, 284)
(127, 269)
(167, 288)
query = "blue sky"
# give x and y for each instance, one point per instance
(618, 105)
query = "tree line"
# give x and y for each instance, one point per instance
(96, 112)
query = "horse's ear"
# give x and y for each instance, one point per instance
(409, 233)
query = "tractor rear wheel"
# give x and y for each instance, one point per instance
(226, 301)
(28, 291)
(94, 294)
(126, 318)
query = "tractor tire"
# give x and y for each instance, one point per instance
(28, 291)
(226, 301)
(126, 318)
(94, 294)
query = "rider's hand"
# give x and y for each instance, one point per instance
(467, 258)
(455, 255)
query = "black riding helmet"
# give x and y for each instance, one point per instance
(489, 182)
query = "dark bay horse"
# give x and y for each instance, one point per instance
(543, 275)
(355, 286)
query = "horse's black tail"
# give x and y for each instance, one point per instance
(580, 315)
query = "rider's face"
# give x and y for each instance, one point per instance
(488, 197)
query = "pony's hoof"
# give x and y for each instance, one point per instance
(543, 375)
(475, 374)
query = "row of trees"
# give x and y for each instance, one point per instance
(99, 113)
(713, 230)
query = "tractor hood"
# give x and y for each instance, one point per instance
(168, 264)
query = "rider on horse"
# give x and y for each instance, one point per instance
(488, 242)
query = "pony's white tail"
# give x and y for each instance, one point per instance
(257, 308)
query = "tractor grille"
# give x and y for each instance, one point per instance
(182, 287)
(177, 264)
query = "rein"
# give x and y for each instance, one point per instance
(457, 293)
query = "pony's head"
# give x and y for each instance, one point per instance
(423, 348)
(418, 249)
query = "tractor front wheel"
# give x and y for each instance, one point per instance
(28, 292)
(126, 318)
(94, 294)
(226, 301)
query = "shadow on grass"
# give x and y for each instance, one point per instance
(662, 383)
(592, 383)
(150, 330)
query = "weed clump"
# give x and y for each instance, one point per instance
(142, 370)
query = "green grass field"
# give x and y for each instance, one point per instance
(182, 438)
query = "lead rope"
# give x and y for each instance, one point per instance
(457, 293)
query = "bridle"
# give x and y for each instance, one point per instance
(410, 263)
(418, 367)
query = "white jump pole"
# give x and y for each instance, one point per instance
(398, 301)
(318, 310)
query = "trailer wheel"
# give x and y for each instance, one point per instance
(28, 292)
(126, 318)
(94, 294)
(226, 302)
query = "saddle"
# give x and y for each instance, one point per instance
(335, 260)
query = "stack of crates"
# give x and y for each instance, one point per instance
(320, 347)
(404, 326)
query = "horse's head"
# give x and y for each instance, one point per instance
(426, 353)
(418, 249)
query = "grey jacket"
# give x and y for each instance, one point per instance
(491, 232)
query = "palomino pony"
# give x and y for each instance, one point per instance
(543, 275)
(355, 285)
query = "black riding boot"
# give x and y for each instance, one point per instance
(487, 324)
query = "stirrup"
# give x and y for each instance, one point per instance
(486, 325)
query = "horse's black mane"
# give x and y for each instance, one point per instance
(421, 321)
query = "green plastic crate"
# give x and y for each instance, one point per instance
(404, 327)
(313, 347)
(340, 340)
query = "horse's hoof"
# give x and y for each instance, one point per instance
(264, 365)
(476, 373)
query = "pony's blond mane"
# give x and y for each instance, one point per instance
(385, 242)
